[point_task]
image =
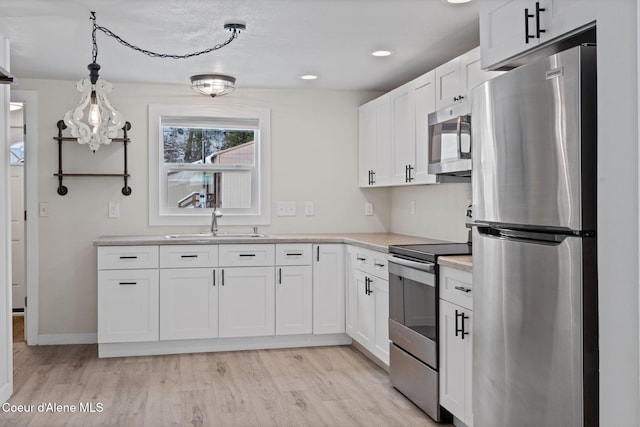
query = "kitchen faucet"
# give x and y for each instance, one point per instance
(214, 220)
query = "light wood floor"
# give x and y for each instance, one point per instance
(323, 386)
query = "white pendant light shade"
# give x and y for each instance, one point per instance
(94, 121)
(213, 84)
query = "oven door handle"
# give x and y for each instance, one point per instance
(429, 267)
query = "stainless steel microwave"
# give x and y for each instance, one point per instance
(450, 141)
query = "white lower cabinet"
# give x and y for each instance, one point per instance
(368, 300)
(294, 302)
(128, 303)
(188, 303)
(456, 343)
(247, 301)
(328, 288)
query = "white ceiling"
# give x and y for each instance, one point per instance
(284, 40)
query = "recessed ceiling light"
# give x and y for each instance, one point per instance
(458, 1)
(381, 53)
(309, 77)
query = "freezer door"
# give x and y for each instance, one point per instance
(534, 333)
(534, 133)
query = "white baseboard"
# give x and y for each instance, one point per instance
(5, 392)
(219, 344)
(62, 339)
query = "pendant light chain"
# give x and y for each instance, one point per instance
(234, 28)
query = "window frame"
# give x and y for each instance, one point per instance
(261, 178)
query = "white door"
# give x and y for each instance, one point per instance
(18, 279)
(188, 303)
(403, 134)
(425, 103)
(293, 300)
(447, 83)
(247, 301)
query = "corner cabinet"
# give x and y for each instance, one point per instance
(374, 143)
(368, 301)
(511, 28)
(456, 343)
(328, 288)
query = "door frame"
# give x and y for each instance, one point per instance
(32, 264)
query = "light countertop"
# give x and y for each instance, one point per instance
(461, 262)
(375, 241)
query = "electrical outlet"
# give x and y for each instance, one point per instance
(114, 210)
(309, 209)
(286, 208)
(412, 207)
(368, 209)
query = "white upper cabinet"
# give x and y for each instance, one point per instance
(456, 78)
(510, 28)
(374, 143)
(411, 104)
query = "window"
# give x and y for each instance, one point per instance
(206, 157)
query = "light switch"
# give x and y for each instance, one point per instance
(44, 209)
(309, 208)
(114, 210)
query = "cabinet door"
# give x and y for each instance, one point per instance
(128, 303)
(374, 143)
(425, 103)
(294, 302)
(455, 361)
(367, 136)
(503, 29)
(365, 312)
(447, 83)
(351, 291)
(247, 301)
(472, 73)
(328, 289)
(188, 303)
(403, 134)
(380, 289)
(563, 16)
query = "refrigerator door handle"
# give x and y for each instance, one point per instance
(523, 236)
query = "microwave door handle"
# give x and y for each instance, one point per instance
(459, 133)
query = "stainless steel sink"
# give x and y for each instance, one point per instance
(214, 236)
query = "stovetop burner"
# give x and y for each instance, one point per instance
(430, 252)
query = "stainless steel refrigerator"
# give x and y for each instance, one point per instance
(535, 355)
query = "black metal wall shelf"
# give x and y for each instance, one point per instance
(62, 190)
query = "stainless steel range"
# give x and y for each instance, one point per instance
(413, 322)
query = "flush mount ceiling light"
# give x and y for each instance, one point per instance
(309, 77)
(213, 84)
(94, 121)
(381, 53)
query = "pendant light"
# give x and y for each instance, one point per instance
(94, 121)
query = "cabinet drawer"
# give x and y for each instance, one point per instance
(179, 256)
(371, 262)
(293, 254)
(246, 255)
(127, 257)
(456, 286)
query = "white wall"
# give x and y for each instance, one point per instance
(618, 212)
(314, 157)
(440, 211)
